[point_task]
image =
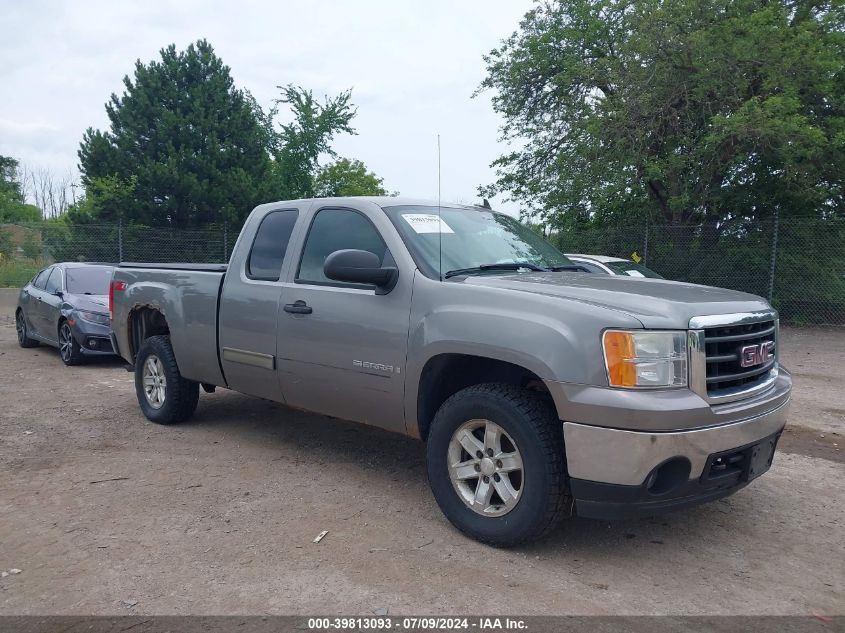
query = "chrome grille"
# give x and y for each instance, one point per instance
(716, 344)
(722, 347)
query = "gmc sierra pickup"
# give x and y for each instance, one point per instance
(540, 390)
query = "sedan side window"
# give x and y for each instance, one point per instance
(270, 245)
(333, 230)
(54, 282)
(41, 279)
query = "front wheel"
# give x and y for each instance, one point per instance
(164, 395)
(496, 464)
(69, 349)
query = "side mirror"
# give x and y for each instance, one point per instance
(59, 294)
(360, 267)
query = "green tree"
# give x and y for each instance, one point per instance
(345, 177)
(709, 113)
(306, 137)
(13, 206)
(106, 200)
(195, 145)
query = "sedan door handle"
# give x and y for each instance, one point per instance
(298, 307)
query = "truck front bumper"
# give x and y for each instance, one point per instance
(616, 473)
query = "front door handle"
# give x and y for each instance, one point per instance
(298, 307)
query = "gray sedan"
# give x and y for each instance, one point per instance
(66, 306)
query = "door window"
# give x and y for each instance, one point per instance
(41, 279)
(54, 283)
(333, 230)
(270, 245)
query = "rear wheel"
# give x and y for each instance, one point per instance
(69, 349)
(164, 395)
(20, 327)
(496, 464)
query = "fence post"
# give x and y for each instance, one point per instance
(225, 243)
(645, 246)
(120, 240)
(774, 255)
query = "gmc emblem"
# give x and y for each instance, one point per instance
(752, 355)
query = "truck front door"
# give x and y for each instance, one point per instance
(341, 346)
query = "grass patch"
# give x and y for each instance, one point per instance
(15, 274)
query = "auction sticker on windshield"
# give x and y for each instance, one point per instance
(426, 223)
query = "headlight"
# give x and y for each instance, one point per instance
(93, 317)
(645, 358)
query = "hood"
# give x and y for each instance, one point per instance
(656, 303)
(89, 303)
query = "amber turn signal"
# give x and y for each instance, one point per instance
(619, 352)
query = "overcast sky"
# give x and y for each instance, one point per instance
(412, 65)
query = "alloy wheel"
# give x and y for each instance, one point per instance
(485, 467)
(154, 381)
(65, 342)
(20, 326)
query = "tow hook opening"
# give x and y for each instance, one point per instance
(668, 476)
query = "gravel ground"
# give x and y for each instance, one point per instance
(106, 513)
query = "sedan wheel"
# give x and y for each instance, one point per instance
(20, 326)
(65, 342)
(68, 347)
(155, 383)
(23, 335)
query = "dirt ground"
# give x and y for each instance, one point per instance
(106, 513)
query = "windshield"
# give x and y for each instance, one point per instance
(632, 269)
(471, 238)
(88, 280)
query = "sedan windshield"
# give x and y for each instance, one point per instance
(474, 241)
(88, 280)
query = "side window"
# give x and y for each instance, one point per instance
(333, 230)
(54, 282)
(41, 279)
(270, 245)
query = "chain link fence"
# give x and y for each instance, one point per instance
(798, 265)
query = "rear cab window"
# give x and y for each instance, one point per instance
(270, 245)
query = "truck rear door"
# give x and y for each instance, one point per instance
(341, 346)
(249, 304)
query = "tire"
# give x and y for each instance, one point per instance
(23, 331)
(171, 398)
(69, 350)
(532, 437)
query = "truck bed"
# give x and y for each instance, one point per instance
(186, 295)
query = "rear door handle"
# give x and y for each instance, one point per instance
(298, 307)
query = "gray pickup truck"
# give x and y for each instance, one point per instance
(539, 389)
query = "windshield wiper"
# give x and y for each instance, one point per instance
(501, 266)
(557, 269)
